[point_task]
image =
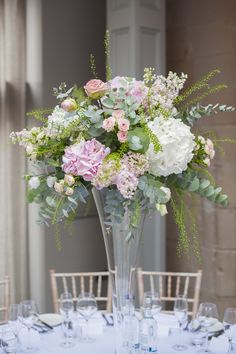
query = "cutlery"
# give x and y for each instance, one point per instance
(108, 323)
(45, 324)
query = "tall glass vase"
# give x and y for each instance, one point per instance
(122, 254)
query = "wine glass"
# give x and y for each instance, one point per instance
(28, 316)
(68, 331)
(156, 301)
(198, 335)
(87, 306)
(229, 321)
(181, 313)
(66, 304)
(14, 315)
(207, 314)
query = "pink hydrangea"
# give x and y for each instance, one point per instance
(135, 162)
(83, 159)
(126, 183)
(139, 91)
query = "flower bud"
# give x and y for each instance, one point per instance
(69, 179)
(69, 105)
(69, 191)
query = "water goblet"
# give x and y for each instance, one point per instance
(207, 314)
(28, 316)
(181, 313)
(86, 306)
(68, 331)
(229, 321)
(156, 301)
(66, 304)
(198, 336)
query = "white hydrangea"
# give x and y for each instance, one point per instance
(177, 143)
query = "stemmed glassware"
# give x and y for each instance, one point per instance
(207, 314)
(14, 316)
(66, 304)
(87, 306)
(156, 301)
(181, 314)
(28, 316)
(229, 321)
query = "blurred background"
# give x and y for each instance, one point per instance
(46, 42)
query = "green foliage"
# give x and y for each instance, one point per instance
(153, 138)
(39, 114)
(138, 140)
(93, 66)
(199, 98)
(178, 207)
(190, 181)
(107, 54)
(192, 115)
(151, 188)
(114, 206)
(202, 83)
(78, 94)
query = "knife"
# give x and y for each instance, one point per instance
(45, 324)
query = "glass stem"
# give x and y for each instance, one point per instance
(87, 329)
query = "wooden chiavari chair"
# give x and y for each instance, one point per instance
(98, 283)
(169, 285)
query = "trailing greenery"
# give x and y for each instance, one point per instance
(198, 85)
(192, 115)
(107, 54)
(190, 181)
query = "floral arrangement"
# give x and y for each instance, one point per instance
(133, 137)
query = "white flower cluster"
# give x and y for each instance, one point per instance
(166, 89)
(59, 120)
(177, 144)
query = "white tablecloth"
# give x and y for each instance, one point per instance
(50, 343)
(104, 344)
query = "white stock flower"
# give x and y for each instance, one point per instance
(177, 143)
(50, 181)
(34, 182)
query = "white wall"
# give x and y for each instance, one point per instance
(60, 36)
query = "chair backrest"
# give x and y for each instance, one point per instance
(169, 285)
(4, 299)
(98, 283)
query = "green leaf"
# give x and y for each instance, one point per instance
(138, 140)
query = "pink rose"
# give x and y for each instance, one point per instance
(122, 136)
(69, 105)
(95, 88)
(118, 114)
(123, 124)
(109, 124)
(83, 159)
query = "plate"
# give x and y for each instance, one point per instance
(216, 327)
(52, 319)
